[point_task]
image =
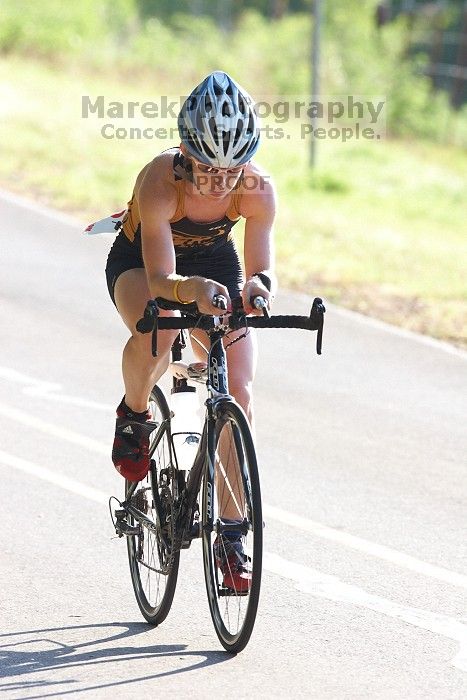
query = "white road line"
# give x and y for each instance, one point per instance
(315, 528)
(330, 587)
(53, 477)
(50, 390)
(53, 430)
(371, 548)
(308, 580)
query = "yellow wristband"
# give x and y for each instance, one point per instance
(175, 292)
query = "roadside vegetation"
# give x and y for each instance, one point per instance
(378, 225)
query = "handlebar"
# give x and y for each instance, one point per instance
(237, 319)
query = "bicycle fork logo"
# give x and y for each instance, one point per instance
(209, 500)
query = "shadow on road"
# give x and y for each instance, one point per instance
(35, 651)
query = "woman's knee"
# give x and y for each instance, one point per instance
(243, 394)
(131, 295)
(141, 345)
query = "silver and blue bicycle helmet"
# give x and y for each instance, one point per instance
(217, 123)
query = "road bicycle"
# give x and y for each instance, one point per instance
(217, 499)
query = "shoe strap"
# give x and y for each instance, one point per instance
(139, 428)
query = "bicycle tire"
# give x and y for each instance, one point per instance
(148, 551)
(233, 613)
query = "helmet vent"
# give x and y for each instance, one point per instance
(242, 106)
(213, 127)
(193, 142)
(199, 121)
(241, 152)
(207, 150)
(238, 132)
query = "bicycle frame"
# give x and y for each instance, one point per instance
(186, 529)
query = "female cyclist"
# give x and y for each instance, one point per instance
(176, 243)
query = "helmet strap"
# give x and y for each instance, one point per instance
(184, 168)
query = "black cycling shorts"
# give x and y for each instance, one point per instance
(219, 262)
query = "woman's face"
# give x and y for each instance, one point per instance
(212, 182)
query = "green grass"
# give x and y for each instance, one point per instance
(378, 226)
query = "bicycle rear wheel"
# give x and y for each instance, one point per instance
(153, 563)
(232, 528)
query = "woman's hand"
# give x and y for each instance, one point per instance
(203, 290)
(253, 287)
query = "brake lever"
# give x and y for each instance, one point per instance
(149, 323)
(146, 324)
(317, 315)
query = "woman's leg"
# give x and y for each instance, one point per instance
(140, 369)
(242, 359)
(130, 452)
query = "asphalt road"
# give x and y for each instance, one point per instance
(363, 456)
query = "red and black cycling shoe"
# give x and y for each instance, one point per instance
(233, 563)
(130, 452)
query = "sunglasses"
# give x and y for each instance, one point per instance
(208, 170)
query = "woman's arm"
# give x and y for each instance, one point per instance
(259, 208)
(157, 203)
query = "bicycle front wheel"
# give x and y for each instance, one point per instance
(153, 562)
(232, 528)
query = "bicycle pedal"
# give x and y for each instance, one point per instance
(122, 527)
(195, 531)
(193, 534)
(222, 591)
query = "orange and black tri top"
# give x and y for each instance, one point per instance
(189, 237)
